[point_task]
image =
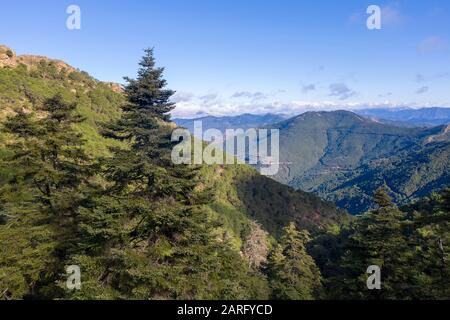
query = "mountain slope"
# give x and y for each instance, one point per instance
(28, 80)
(241, 195)
(413, 117)
(344, 158)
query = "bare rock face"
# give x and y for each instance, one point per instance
(444, 135)
(7, 57)
(31, 61)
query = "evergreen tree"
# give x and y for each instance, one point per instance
(376, 238)
(44, 178)
(152, 238)
(382, 198)
(291, 271)
(432, 237)
(445, 204)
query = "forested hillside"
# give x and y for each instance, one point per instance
(410, 245)
(86, 179)
(345, 158)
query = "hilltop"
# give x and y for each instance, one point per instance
(345, 157)
(428, 117)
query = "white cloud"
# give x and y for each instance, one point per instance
(391, 16)
(433, 44)
(249, 95)
(182, 97)
(308, 87)
(420, 78)
(221, 108)
(422, 90)
(341, 90)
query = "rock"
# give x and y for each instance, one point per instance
(33, 60)
(115, 87)
(7, 57)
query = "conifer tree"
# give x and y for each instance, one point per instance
(159, 243)
(45, 175)
(376, 238)
(292, 273)
(432, 237)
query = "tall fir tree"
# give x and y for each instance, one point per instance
(159, 245)
(292, 272)
(45, 177)
(431, 236)
(376, 238)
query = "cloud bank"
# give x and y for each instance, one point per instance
(226, 108)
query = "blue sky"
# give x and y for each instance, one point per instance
(235, 56)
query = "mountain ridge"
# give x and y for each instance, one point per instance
(99, 103)
(326, 152)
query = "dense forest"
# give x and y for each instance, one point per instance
(86, 179)
(344, 158)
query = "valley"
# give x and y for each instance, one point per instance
(344, 158)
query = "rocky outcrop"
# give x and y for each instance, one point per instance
(7, 57)
(115, 87)
(443, 135)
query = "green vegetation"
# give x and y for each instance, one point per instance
(21, 88)
(409, 244)
(293, 274)
(86, 179)
(345, 158)
(86, 183)
(40, 198)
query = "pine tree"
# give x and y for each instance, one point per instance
(382, 198)
(292, 272)
(376, 238)
(45, 175)
(432, 237)
(152, 238)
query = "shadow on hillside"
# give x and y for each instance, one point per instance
(274, 205)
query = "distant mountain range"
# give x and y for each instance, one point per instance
(405, 117)
(409, 117)
(244, 121)
(344, 157)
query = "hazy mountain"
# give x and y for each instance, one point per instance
(407, 116)
(244, 121)
(344, 158)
